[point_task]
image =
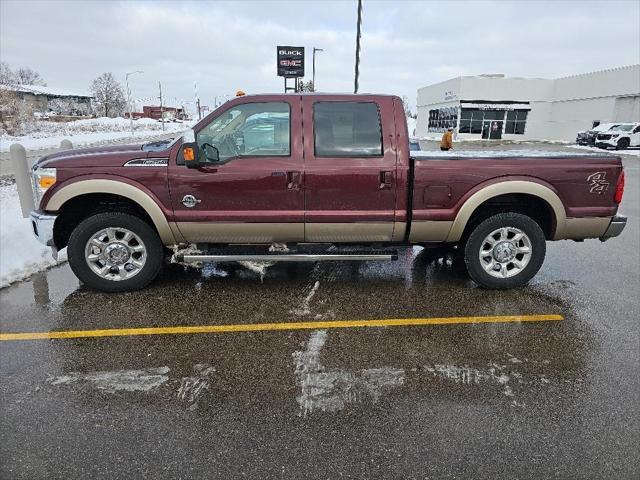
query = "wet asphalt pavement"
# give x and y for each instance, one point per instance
(533, 400)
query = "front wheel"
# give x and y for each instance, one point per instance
(115, 252)
(623, 144)
(505, 251)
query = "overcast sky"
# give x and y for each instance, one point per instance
(229, 46)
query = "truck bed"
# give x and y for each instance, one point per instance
(444, 181)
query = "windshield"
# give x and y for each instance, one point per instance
(623, 128)
(603, 127)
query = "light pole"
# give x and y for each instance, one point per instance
(355, 87)
(129, 98)
(314, 66)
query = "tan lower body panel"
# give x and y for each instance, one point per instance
(199, 232)
(579, 228)
(429, 231)
(349, 232)
(399, 231)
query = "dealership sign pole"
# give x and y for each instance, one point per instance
(290, 64)
(355, 89)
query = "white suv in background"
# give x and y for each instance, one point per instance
(620, 137)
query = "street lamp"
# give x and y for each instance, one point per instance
(129, 98)
(314, 66)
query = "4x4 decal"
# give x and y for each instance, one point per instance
(598, 182)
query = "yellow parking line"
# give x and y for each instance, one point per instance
(255, 327)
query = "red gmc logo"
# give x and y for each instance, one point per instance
(291, 63)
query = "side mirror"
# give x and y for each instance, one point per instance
(211, 153)
(190, 154)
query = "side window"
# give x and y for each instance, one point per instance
(347, 129)
(249, 130)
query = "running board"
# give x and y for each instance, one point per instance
(294, 257)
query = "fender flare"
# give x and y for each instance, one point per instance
(510, 186)
(137, 195)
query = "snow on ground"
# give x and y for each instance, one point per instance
(84, 132)
(531, 153)
(630, 151)
(21, 255)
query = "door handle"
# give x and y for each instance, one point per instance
(293, 180)
(386, 180)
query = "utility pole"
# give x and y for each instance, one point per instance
(161, 107)
(314, 66)
(355, 89)
(129, 99)
(195, 92)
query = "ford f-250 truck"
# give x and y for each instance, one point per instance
(330, 176)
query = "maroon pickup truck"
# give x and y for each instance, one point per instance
(329, 176)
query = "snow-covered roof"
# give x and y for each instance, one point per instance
(39, 90)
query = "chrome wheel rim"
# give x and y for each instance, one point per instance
(115, 254)
(505, 252)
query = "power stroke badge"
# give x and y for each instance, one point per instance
(598, 182)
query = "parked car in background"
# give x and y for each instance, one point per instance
(622, 136)
(588, 137)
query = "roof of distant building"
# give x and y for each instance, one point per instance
(39, 90)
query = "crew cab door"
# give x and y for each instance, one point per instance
(255, 192)
(350, 169)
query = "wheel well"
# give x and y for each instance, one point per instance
(78, 208)
(530, 205)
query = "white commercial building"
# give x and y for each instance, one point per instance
(496, 107)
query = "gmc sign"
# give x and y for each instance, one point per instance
(290, 61)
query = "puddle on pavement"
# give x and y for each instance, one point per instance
(323, 372)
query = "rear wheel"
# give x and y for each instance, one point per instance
(115, 252)
(505, 251)
(623, 144)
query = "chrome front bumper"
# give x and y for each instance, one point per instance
(42, 224)
(615, 228)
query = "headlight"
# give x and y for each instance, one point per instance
(41, 180)
(615, 135)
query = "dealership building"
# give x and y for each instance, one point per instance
(497, 107)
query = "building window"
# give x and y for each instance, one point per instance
(515, 122)
(472, 119)
(442, 118)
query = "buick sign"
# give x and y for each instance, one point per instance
(290, 61)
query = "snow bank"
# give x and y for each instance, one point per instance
(21, 255)
(90, 131)
(630, 151)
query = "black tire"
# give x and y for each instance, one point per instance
(476, 241)
(623, 144)
(94, 224)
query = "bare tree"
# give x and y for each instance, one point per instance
(16, 116)
(7, 77)
(305, 86)
(21, 76)
(27, 76)
(108, 95)
(407, 107)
